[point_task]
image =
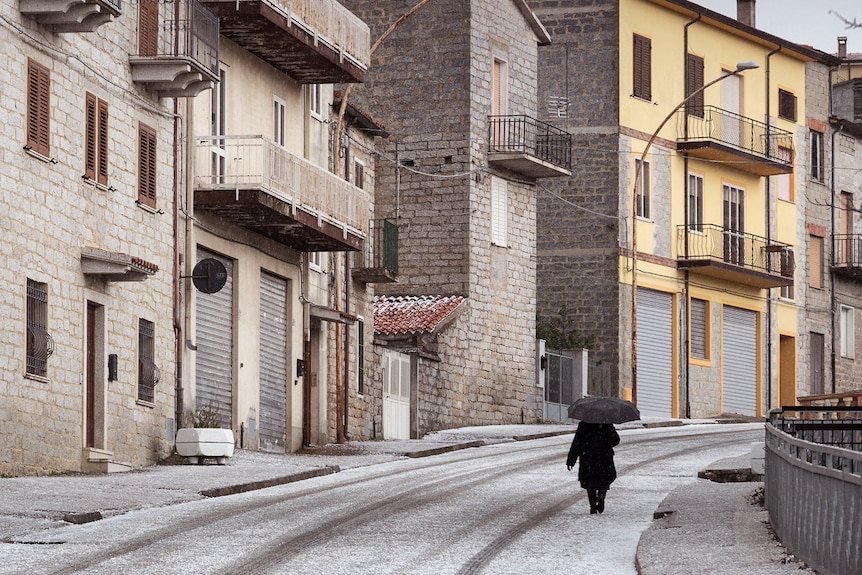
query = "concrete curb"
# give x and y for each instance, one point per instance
(254, 485)
(445, 449)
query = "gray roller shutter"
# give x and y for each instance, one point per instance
(739, 361)
(214, 358)
(655, 353)
(273, 362)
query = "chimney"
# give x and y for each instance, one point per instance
(745, 12)
(842, 46)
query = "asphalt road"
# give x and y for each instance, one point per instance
(504, 508)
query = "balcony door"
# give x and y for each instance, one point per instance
(218, 127)
(731, 104)
(733, 234)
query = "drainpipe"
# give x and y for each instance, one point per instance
(687, 342)
(178, 326)
(767, 200)
(346, 386)
(832, 296)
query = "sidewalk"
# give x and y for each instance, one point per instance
(705, 527)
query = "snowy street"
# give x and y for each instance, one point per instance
(503, 508)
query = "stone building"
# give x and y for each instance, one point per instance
(88, 204)
(455, 85)
(673, 242)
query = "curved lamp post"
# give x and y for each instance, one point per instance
(741, 67)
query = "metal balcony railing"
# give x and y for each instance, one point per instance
(717, 243)
(526, 135)
(256, 163)
(847, 251)
(746, 134)
(196, 36)
(378, 262)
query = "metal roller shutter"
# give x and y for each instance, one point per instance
(214, 358)
(655, 353)
(739, 361)
(273, 362)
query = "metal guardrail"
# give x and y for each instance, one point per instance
(523, 134)
(714, 242)
(814, 488)
(382, 251)
(195, 36)
(725, 127)
(847, 251)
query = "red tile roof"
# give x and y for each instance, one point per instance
(398, 315)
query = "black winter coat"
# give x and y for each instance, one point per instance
(593, 444)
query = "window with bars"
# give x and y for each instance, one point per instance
(38, 108)
(786, 105)
(96, 140)
(699, 329)
(695, 203)
(642, 68)
(817, 172)
(643, 189)
(148, 373)
(146, 165)
(694, 82)
(40, 345)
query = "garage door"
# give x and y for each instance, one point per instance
(273, 362)
(739, 361)
(655, 353)
(214, 357)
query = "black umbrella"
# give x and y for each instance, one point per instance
(603, 410)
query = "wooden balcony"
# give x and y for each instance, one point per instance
(714, 251)
(847, 256)
(185, 62)
(257, 185)
(529, 147)
(741, 143)
(312, 41)
(72, 15)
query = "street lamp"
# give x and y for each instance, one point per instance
(741, 67)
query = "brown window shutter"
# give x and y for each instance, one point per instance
(91, 138)
(38, 108)
(148, 28)
(694, 82)
(102, 175)
(642, 67)
(147, 166)
(787, 105)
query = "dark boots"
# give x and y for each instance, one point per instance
(597, 500)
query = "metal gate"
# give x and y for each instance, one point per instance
(739, 361)
(214, 358)
(396, 396)
(273, 362)
(565, 374)
(655, 353)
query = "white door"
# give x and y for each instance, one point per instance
(396, 396)
(731, 104)
(739, 361)
(655, 353)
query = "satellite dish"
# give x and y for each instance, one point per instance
(209, 275)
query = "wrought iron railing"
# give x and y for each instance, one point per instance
(717, 243)
(526, 135)
(838, 426)
(382, 251)
(724, 127)
(195, 36)
(847, 251)
(255, 162)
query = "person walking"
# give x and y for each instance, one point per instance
(593, 444)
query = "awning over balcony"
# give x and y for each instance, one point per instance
(736, 257)
(711, 133)
(259, 186)
(312, 41)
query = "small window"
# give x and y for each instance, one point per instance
(848, 332)
(278, 121)
(316, 261)
(96, 141)
(146, 166)
(315, 100)
(148, 373)
(815, 261)
(787, 292)
(360, 357)
(40, 345)
(699, 343)
(642, 67)
(359, 174)
(786, 105)
(695, 203)
(643, 190)
(38, 108)
(499, 211)
(817, 171)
